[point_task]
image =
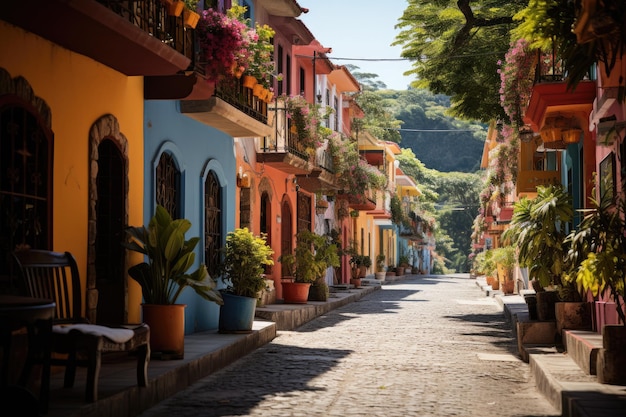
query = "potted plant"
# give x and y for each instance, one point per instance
(164, 276)
(223, 41)
(538, 230)
(242, 271)
(504, 259)
(598, 260)
(174, 7)
(403, 263)
(380, 267)
(313, 255)
(190, 16)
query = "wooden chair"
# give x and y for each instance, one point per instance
(54, 276)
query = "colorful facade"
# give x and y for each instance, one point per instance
(97, 135)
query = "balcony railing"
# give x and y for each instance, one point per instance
(151, 17)
(283, 139)
(325, 160)
(242, 98)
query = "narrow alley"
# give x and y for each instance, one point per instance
(427, 346)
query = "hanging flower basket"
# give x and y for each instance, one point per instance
(257, 89)
(174, 7)
(249, 81)
(190, 18)
(321, 206)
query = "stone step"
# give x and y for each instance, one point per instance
(583, 347)
(571, 391)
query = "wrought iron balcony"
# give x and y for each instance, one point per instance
(282, 149)
(232, 108)
(134, 37)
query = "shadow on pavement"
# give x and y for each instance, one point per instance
(237, 389)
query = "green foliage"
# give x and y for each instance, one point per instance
(397, 213)
(242, 267)
(379, 119)
(313, 255)
(456, 145)
(380, 262)
(170, 256)
(455, 47)
(483, 263)
(597, 257)
(504, 256)
(538, 229)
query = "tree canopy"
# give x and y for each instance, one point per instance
(455, 47)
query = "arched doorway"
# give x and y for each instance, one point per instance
(110, 213)
(286, 232)
(108, 216)
(266, 223)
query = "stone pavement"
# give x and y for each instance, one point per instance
(425, 346)
(205, 353)
(558, 376)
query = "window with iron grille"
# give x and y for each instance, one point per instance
(304, 212)
(212, 222)
(25, 182)
(168, 185)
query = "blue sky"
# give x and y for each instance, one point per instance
(360, 29)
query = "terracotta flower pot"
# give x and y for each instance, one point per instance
(249, 81)
(257, 89)
(167, 329)
(190, 18)
(174, 7)
(295, 292)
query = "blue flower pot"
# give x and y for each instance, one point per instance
(236, 314)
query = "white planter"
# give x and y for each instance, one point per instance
(380, 276)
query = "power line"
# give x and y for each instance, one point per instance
(430, 130)
(404, 59)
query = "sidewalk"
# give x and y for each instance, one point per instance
(205, 353)
(557, 374)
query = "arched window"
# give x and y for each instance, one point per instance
(25, 180)
(212, 222)
(168, 185)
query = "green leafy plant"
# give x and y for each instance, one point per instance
(242, 266)
(313, 255)
(380, 262)
(164, 276)
(598, 251)
(538, 229)
(261, 50)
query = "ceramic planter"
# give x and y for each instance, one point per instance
(380, 276)
(296, 292)
(356, 282)
(174, 7)
(611, 362)
(167, 329)
(190, 18)
(572, 316)
(237, 313)
(546, 302)
(249, 81)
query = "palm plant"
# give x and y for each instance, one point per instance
(169, 256)
(538, 228)
(598, 251)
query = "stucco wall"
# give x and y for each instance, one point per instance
(195, 147)
(78, 91)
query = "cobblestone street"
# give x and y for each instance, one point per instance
(427, 346)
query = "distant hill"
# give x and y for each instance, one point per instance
(458, 150)
(445, 152)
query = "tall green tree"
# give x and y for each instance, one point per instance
(455, 46)
(379, 118)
